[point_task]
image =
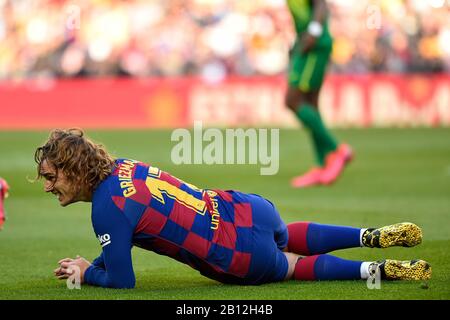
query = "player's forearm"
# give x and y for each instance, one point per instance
(99, 262)
(98, 276)
(320, 12)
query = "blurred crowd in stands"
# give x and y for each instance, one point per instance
(213, 38)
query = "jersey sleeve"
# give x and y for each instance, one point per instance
(99, 261)
(113, 268)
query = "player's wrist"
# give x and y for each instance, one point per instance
(315, 29)
(87, 274)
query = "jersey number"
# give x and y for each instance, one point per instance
(159, 187)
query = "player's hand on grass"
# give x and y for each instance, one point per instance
(60, 272)
(68, 267)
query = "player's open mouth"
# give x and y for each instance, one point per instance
(58, 195)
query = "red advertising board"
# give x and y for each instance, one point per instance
(356, 101)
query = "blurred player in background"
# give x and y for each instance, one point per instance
(308, 61)
(228, 236)
(3, 195)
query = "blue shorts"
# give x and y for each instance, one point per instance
(270, 237)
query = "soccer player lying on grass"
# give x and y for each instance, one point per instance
(228, 236)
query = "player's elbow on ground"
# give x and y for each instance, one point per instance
(122, 284)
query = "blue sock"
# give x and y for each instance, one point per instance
(329, 267)
(323, 238)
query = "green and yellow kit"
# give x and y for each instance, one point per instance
(307, 70)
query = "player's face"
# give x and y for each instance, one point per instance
(58, 184)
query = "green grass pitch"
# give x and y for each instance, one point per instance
(397, 175)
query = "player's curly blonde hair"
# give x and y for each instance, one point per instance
(82, 161)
